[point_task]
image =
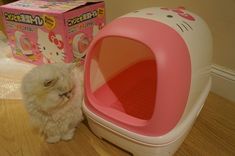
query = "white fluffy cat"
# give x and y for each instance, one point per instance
(53, 94)
(51, 51)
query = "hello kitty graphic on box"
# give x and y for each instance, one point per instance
(51, 47)
(42, 32)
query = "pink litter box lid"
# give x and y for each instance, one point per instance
(170, 64)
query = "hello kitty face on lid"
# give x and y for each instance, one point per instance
(178, 18)
(181, 12)
(185, 20)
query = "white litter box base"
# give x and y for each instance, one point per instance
(136, 148)
(140, 145)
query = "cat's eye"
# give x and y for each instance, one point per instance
(50, 83)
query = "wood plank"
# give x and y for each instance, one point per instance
(214, 131)
(212, 134)
(17, 138)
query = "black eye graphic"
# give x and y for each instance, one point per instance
(44, 48)
(57, 53)
(169, 16)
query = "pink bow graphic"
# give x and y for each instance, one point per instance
(180, 11)
(53, 39)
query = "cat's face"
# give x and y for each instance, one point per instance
(52, 52)
(50, 85)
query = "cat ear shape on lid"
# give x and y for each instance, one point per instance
(50, 83)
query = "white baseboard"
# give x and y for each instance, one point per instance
(223, 82)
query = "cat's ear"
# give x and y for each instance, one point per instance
(50, 83)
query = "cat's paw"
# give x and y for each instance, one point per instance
(53, 139)
(69, 135)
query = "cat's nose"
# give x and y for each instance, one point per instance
(67, 94)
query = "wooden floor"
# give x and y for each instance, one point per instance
(213, 134)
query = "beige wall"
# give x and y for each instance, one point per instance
(219, 14)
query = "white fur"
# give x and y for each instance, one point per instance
(54, 112)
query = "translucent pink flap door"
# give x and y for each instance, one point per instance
(138, 78)
(123, 80)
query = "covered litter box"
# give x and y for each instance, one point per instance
(146, 79)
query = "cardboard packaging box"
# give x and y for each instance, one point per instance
(42, 32)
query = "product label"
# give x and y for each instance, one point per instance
(83, 17)
(24, 18)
